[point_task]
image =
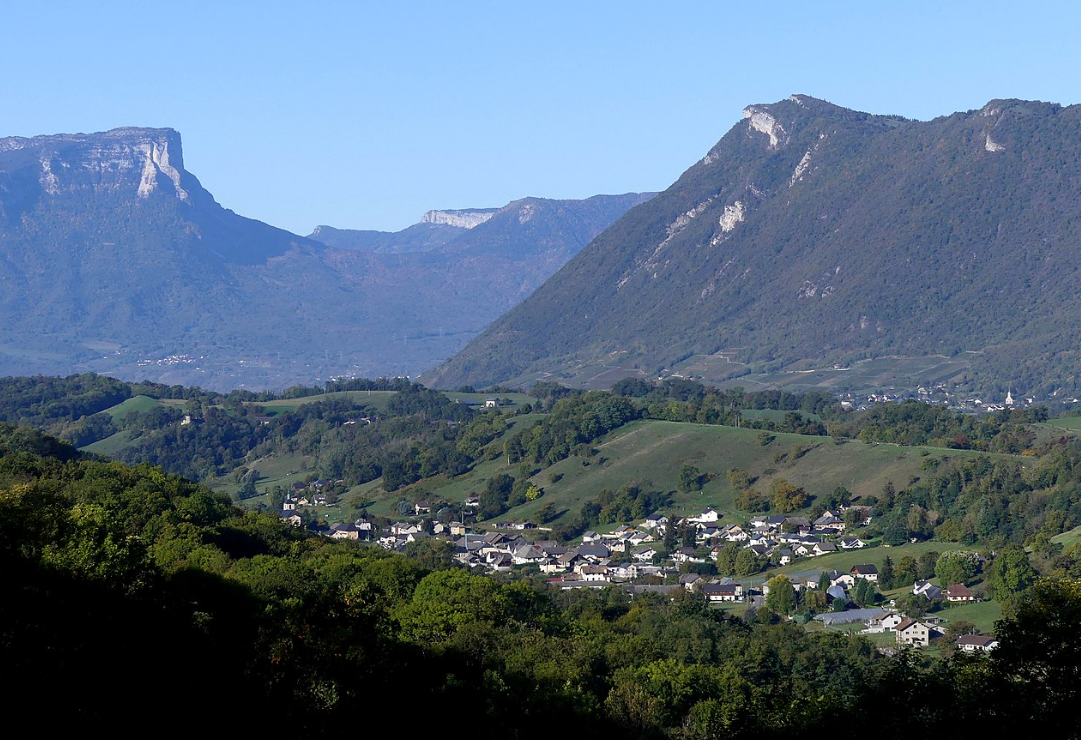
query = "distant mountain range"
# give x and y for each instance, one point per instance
(114, 258)
(819, 245)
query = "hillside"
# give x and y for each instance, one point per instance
(115, 259)
(651, 453)
(812, 236)
(285, 631)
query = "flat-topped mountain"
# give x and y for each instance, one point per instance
(114, 258)
(813, 236)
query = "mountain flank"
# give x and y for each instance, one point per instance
(813, 240)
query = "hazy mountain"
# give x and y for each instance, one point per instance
(434, 230)
(114, 258)
(812, 235)
(523, 228)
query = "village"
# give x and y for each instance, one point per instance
(670, 556)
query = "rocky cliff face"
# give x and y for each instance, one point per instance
(464, 219)
(127, 161)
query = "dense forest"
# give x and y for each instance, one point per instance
(132, 588)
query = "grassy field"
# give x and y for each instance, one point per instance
(1070, 423)
(654, 451)
(378, 400)
(845, 559)
(982, 614)
(116, 442)
(455, 490)
(110, 445)
(1068, 539)
(135, 403)
(273, 471)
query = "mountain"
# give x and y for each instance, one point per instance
(820, 245)
(523, 228)
(434, 230)
(114, 259)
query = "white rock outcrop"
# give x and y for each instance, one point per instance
(801, 168)
(157, 162)
(762, 122)
(990, 145)
(733, 215)
(463, 219)
(681, 222)
(49, 181)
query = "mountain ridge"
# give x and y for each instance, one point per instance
(115, 259)
(787, 241)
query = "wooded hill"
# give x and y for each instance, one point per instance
(126, 588)
(812, 235)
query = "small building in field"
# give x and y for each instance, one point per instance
(959, 592)
(723, 591)
(866, 572)
(976, 643)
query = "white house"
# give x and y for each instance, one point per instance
(594, 573)
(866, 572)
(708, 516)
(655, 521)
(723, 591)
(914, 633)
(821, 548)
(884, 623)
(735, 533)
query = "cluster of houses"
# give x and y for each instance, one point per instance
(789, 537)
(626, 555)
(301, 493)
(937, 394)
(908, 631)
(623, 554)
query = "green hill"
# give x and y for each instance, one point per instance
(652, 453)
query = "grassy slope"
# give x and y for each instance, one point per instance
(844, 560)
(135, 403)
(116, 442)
(273, 471)
(110, 445)
(983, 614)
(654, 451)
(379, 399)
(451, 490)
(1068, 539)
(1072, 423)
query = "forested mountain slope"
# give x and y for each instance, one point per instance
(812, 235)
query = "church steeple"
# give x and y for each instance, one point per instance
(1009, 397)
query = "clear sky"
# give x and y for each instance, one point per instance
(364, 115)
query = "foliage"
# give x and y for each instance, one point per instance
(286, 633)
(957, 566)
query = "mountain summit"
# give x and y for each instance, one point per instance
(812, 236)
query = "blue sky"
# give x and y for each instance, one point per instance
(365, 115)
